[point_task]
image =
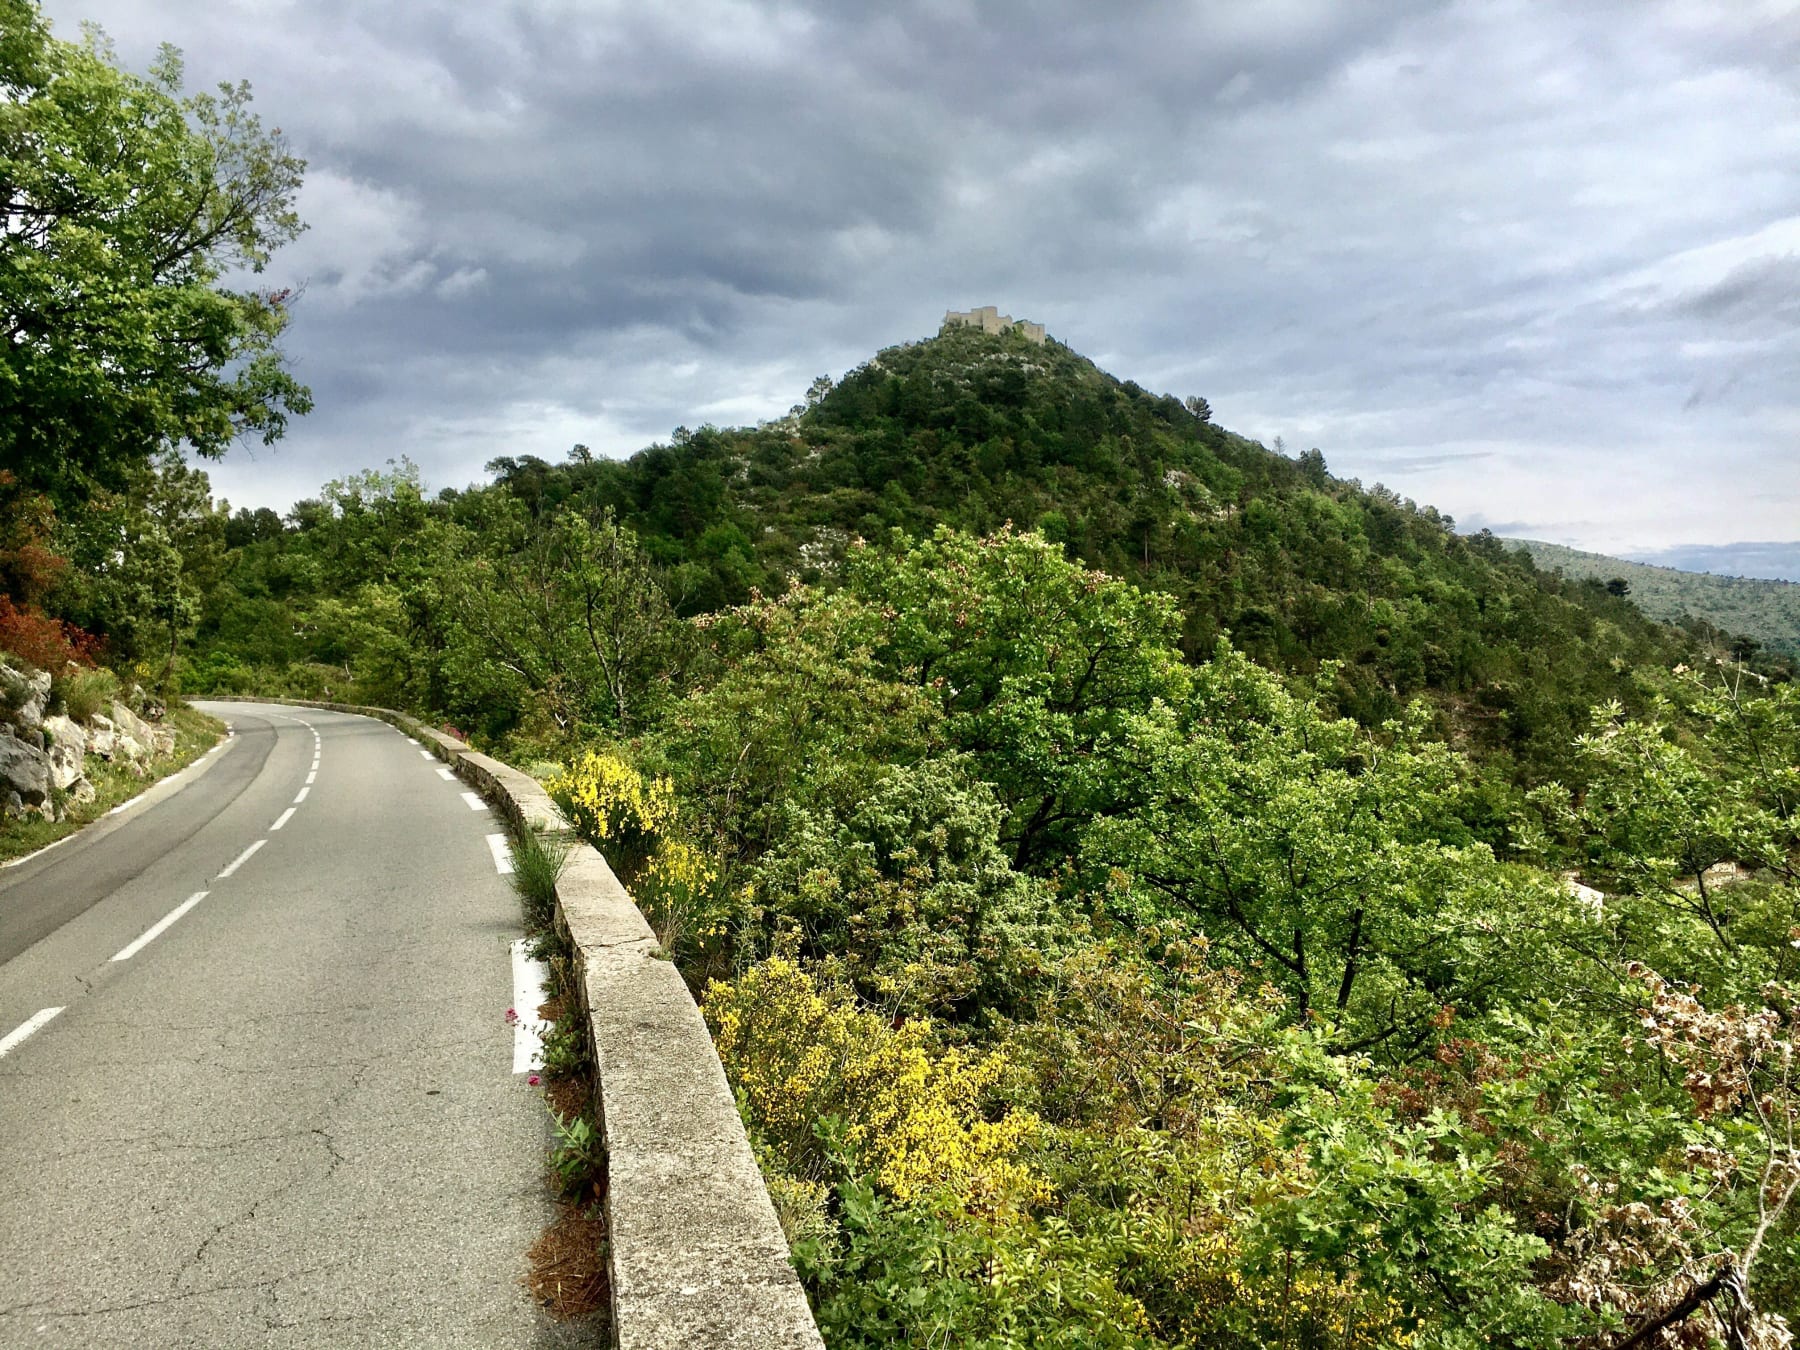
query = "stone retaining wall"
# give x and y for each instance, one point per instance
(698, 1259)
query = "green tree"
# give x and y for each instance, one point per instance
(144, 557)
(1319, 851)
(572, 609)
(124, 204)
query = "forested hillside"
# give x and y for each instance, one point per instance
(1129, 873)
(974, 432)
(1766, 612)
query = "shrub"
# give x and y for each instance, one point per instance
(15, 691)
(912, 890)
(682, 894)
(85, 692)
(46, 643)
(608, 802)
(799, 1051)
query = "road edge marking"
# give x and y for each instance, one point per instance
(18, 1035)
(531, 991)
(503, 862)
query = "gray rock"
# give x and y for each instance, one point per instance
(31, 715)
(25, 770)
(135, 738)
(12, 805)
(81, 792)
(68, 751)
(102, 736)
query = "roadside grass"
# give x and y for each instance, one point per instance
(195, 734)
(538, 861)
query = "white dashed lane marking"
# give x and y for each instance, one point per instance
(475, 802)
(242, 858)
(283, 818)
(160, 927)
(529, 981)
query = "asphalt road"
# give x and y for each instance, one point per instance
(288, 1115)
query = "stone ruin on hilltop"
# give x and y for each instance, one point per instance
(989, 319)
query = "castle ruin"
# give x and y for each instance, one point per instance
(989, 319)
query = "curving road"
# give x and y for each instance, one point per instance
(256, 1083)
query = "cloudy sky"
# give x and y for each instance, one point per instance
(1537, 264)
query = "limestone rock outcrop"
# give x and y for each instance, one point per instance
(44, 755)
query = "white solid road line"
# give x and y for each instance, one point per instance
(125, 805)
(302, 796)
(529, 993)
(161, 926)
(446, 773)
(475, 802)
(14, 862)
(242, 858)
(283, 818)
(33, 1023)
(502, 855)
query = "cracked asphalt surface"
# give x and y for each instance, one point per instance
(289, 1120)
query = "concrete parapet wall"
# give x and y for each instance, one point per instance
(698, 1258)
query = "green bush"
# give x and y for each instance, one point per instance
(85, 692)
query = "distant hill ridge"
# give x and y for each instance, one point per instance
(1767, 611)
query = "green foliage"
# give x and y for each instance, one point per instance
(1036, 662)
(801, 716)
(571, 610)
(1326, 855)
(911, 890)
(125, 203)
(538, 860)
(578, 1158)
(85, 692)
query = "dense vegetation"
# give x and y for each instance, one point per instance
(1765, 612)
(1123, 867)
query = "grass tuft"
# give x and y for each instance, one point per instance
(537, 863)
(86, 692)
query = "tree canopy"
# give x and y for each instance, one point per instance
(130, 215)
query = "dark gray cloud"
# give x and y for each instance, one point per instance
(1528, 263)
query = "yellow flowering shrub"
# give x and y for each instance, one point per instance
(798, 1050)
(684, 896)
(608, 801)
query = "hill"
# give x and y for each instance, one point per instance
(1767, 612)
(975, 430)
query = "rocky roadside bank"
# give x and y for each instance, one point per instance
(45, 756)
